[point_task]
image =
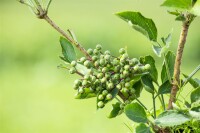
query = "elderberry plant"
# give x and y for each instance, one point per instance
(107, 77)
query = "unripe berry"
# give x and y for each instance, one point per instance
(85, 82)
(136, 68)
(98, 88)
(102, 62)
(87, 63)
(116, 69)
(96, 63)
(147, 67)
(110, 86)
(95, 51)
(105, 92)
(98, 47)
(115, 62)
(94, 58)
(100, 75)
(72, 70)
(87, 77)
(75, 87)
(103, 80)
(107, 57)
(122, 51)
(125, 73)
(122, 106)
(73, 63)
(83, 59)
(90, 51)
(77, 82)
(126, 67)
(100, 97)
(100, 104)
(93, 78)
(109, 96)
(107, 52)
(133, 91)
(119, 86)
(105, 69)
(116, 76)
(127, 79)
(127, 84)
(125, 56)
(81, 90)
(133, 61)
(107, 75)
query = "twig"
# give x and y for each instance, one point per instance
(181, 44)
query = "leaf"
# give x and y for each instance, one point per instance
(67, 50)
(194, 82)
(171, 118)
(195, 95)
(138, 88)
(136, 113)
(157, 50)
(144, 25)
(165, 88)
(153, 71)
(82, 69)
(115, 110)
(195, 115)
(178, 4)
(167, 40)
(87, 94)
(142, 128)
(167, 73)
(147, 84)
(196, 8)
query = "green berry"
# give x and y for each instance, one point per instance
(127, 85)
(100, 97)
(107, 57)
(75, 87)
(102, 62)
(109, 96)
(125, 73)
(87, 63)
(98, 88)
(110, 86)
(126, 67)
(127, 79)
(93, 78)
(72, 70)
(147, 67)
(98, 47)
(125, 56)
(107, 75)
(90, 51)
(87, 77)
(105, 92)
(116, 76)
(116, 69)
(122, 106)
(94, 58)
(133, 91)
(73, 63)
(103, 80)
(122, 51)
(115, 62)
(77, 82)
(133, 61)
(105, 69)
(136, 68)
(107, 52)
(83, 59)
(119, 86)
(96, 63)
(95, 51)
(100, 104)
(81, 90)
(85, 82)
(100, 75)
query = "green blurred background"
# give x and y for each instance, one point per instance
(36, 97)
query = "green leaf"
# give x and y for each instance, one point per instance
(136, 113)
(144, 25)
(87, 94)
(178, 4)
(165, 88)
(157, 50)
(82, 69)
(142, 128)
(171, 118)
(153, 71)
(147, 84)
(194, 82)
(196, 8)
(115, 110)
(167, 73)
(138, 88)
(195, 95)
(67, 50)
(195, 115)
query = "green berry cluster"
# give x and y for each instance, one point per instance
(108, 73)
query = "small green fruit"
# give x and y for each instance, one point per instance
(127, 85)
(105, 92)
(81, 90)
(87, 63)
(103, 80)
(122, 51)
(100, 75)
(100, 97)
(73, 63)
(126, 67)
(95, 51)
(107, 52)
(72, 70)
(109, 97)
(83, 59)
(77, 82)
(105, 69)
(94, 58)
(100, 104)
(110, 86)
(98, 47)
(107, 57)
(90, 51)
(85, 82)
(102, 62)
(119, 86)
(147, 67)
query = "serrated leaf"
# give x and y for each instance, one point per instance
(144, 25)
(194, 82)
(171, 118)
(195, 95)
(136, 113)
(115, 110)
(167, 74)
(153, 71)
(165, 88)
(196, 8)
(87, 94)
(147, 84)
(142, 128)
(67, 50)
(178, 4)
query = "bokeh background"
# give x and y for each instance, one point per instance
(36, 97)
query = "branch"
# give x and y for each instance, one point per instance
(181, 44)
